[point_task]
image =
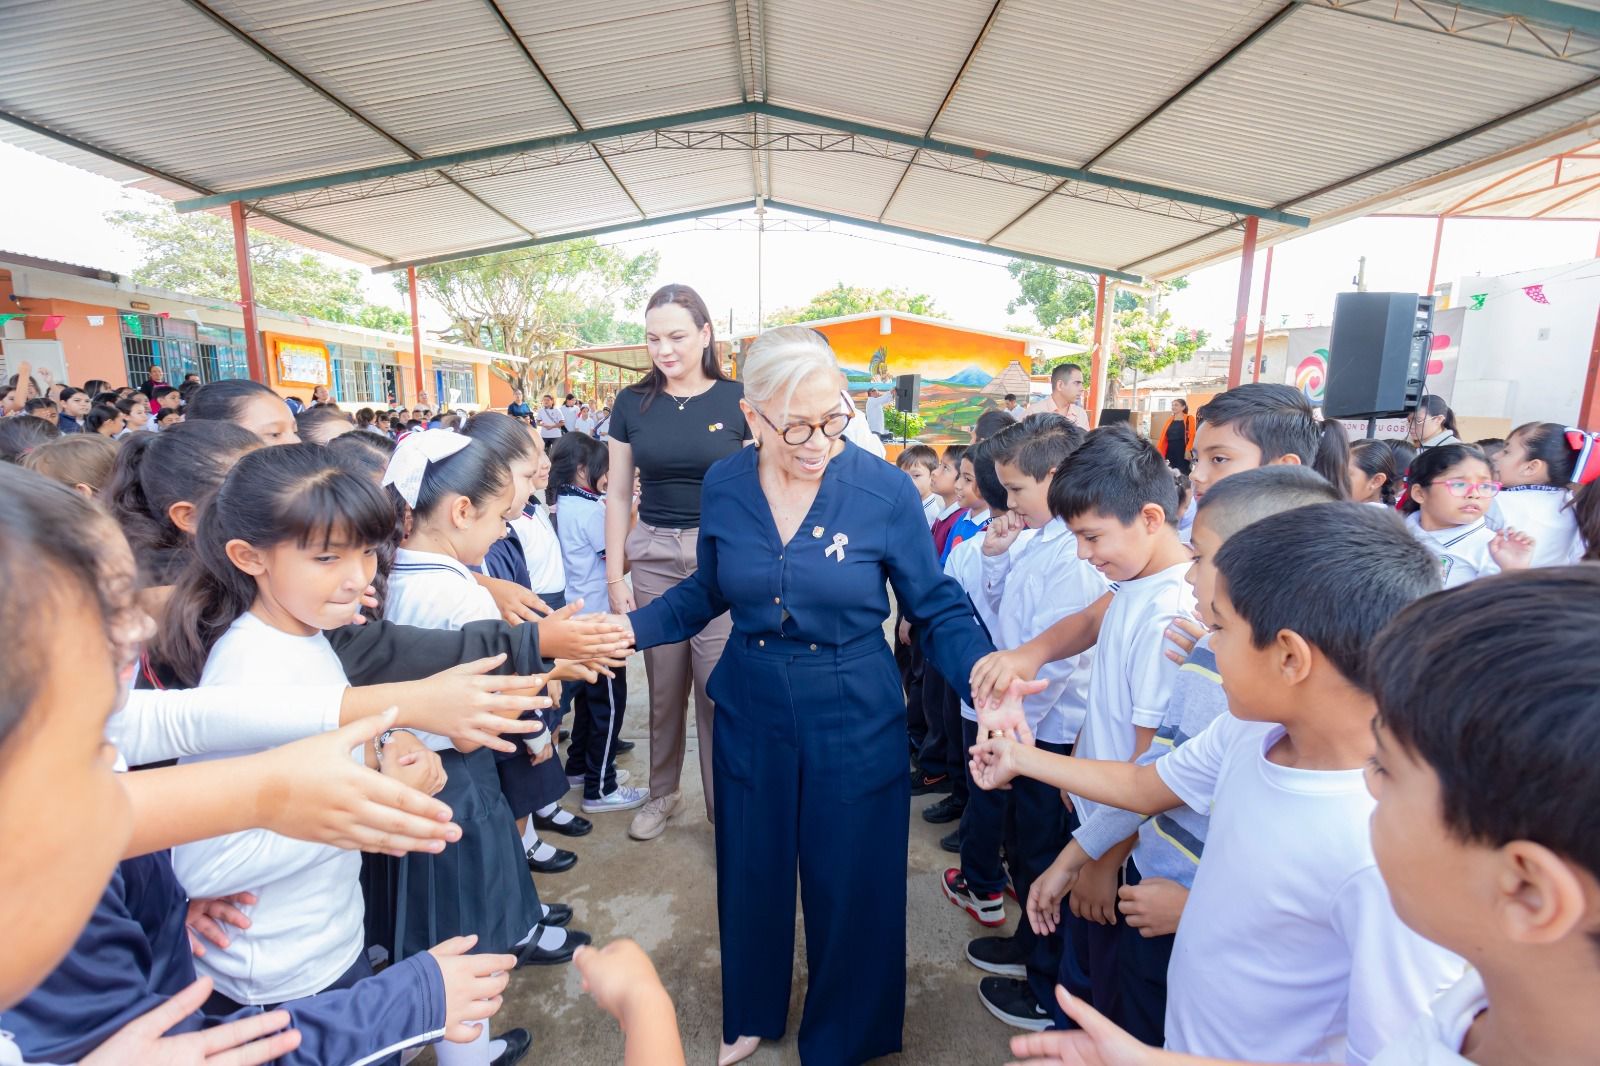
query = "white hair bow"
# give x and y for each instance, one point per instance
(412, 456)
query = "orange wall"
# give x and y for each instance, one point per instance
(90, 351)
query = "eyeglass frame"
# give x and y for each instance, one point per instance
(1494, 487)
(811, 427)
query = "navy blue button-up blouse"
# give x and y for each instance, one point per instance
(827, 586)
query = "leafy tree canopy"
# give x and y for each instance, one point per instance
(845, 299)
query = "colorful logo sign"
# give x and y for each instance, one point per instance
(1312, 374)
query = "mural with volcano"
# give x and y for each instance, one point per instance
(956, 365)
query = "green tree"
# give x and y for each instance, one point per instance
(1054, 294)
(535, 304)
(193, 254)
(845, 299)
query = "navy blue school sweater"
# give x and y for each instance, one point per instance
(134, 955)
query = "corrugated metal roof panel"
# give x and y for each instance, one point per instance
(956, 203)
(412, 225)
(569, 196)
(619, 60)
(157, 82)
(1041, 86)
(438, 75)
(830, 181)
(829, 56)
(1098, 233)
(1325, 91)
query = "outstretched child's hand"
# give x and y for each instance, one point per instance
(470, 705)
(1153, 906)
(206, 917)
(408, 760)
(592, 636)
(1004, 713)
(472, 986)
(1096, 1042)
(994, 672)
(1183, 634)
(247, 1042)
(1511, 550)
(616, 975)
(1044, 898)
(994, 763)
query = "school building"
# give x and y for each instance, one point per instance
(85, 323)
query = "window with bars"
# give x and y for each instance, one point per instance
(457, 376)
(181, 348)
(358, 375)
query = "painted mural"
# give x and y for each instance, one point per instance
(963, 374)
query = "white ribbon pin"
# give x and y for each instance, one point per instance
(837, 548)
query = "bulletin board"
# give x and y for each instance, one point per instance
(301, 362)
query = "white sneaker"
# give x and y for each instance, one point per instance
(621, 798)
(651, 822)
(623, 777)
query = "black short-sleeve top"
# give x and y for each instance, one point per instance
(673, 446)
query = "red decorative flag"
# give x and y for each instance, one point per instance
(1536, 293)
(52, 321)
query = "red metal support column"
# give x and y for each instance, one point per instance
(247, 292)
(1589, 406)
(1261, 323)
(1433, 264)
(1097, 356)
(1247, 262)
(416, 335)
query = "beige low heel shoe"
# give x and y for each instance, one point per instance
(738, 1051)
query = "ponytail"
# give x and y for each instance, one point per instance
(1332, 457)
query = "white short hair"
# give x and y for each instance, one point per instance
(775, 363)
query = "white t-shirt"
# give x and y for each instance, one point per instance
(1436, 1038)
(1030, 588)
(875, 406)
(1290, 950)
(306, 930)
(584, 424)
(1544, 513)
(549, 420)
(1132, 676)
(540, 550)
(1462, 551)
(965, 564)
(569, 416)
(434, 591)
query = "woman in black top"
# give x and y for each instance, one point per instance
(682, 417)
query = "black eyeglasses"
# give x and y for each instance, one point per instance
(797, 433)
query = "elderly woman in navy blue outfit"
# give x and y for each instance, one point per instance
(798, 538)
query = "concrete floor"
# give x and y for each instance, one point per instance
(663, 895)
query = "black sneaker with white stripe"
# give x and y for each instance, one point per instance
(1012, 1002)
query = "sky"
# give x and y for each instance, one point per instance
(64, 220)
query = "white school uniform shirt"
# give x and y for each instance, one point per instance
(583, 425)
(158, 724)
(434, 591)
(582, 532)
(541, 551)
(549, 420)
(569, 416)
(1435, 1039)
(1462, 551)
(1031, 588)
(1290, 950)
(1543, 512)
(965, 564)
(1132, 676)
(931, 506)
(306, 928)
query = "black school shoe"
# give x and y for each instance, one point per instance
(951, 842)
(517, 1044)
(532, 955)
(946, 810)
(557, 863)
(1003, 955)
(622, 747)
(924, 784)
(556, 915)
(1012, 1002)
(575, 826)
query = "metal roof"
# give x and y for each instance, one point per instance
(1564, 187)
(1125, 136)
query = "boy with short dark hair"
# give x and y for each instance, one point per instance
(919, 462)
(47, 409)
(938, 758)
(1261, 424)
(1290, 947)
(1161, 869)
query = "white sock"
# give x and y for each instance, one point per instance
(477, 1053)
(556, 813)
(530, 836)
(496, 1049)
(542, 852)
(551, 938)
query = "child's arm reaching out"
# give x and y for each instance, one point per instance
(623, 982)
(1096, 1042)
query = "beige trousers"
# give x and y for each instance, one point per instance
(660, 558)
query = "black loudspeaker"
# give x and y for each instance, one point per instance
(1111, 415)
(907, 393)
(1377, 354)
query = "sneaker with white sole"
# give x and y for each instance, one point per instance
(1006, 956)
(988, 908)
(651, 822)
(621, 798)
(623, 777)
(1011, 1001)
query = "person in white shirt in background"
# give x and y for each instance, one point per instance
(584, 422)
(856, 431)
(877, 400)
(569, 413)
(1290, 949)
(551, 422)
(1013, 408)
(1537, 467)
(1066, 389)
(1449, 492)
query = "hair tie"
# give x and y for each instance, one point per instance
(1587, 466)
(412, 456)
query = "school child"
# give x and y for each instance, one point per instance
(1449, 490)
(1161, 868)
(82, 462)
(1289, 945)
(624, 984)
(943, 483)
(1029, 588)
(1538, 466)
(1377, 472)
(937, 761)
(919, 462)
(248, 404)
(20, 434)
(456, 494)
(1252, 425)
(972, 524)
(579, 472)
(530, 788)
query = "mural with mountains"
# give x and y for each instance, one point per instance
(963, 373)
